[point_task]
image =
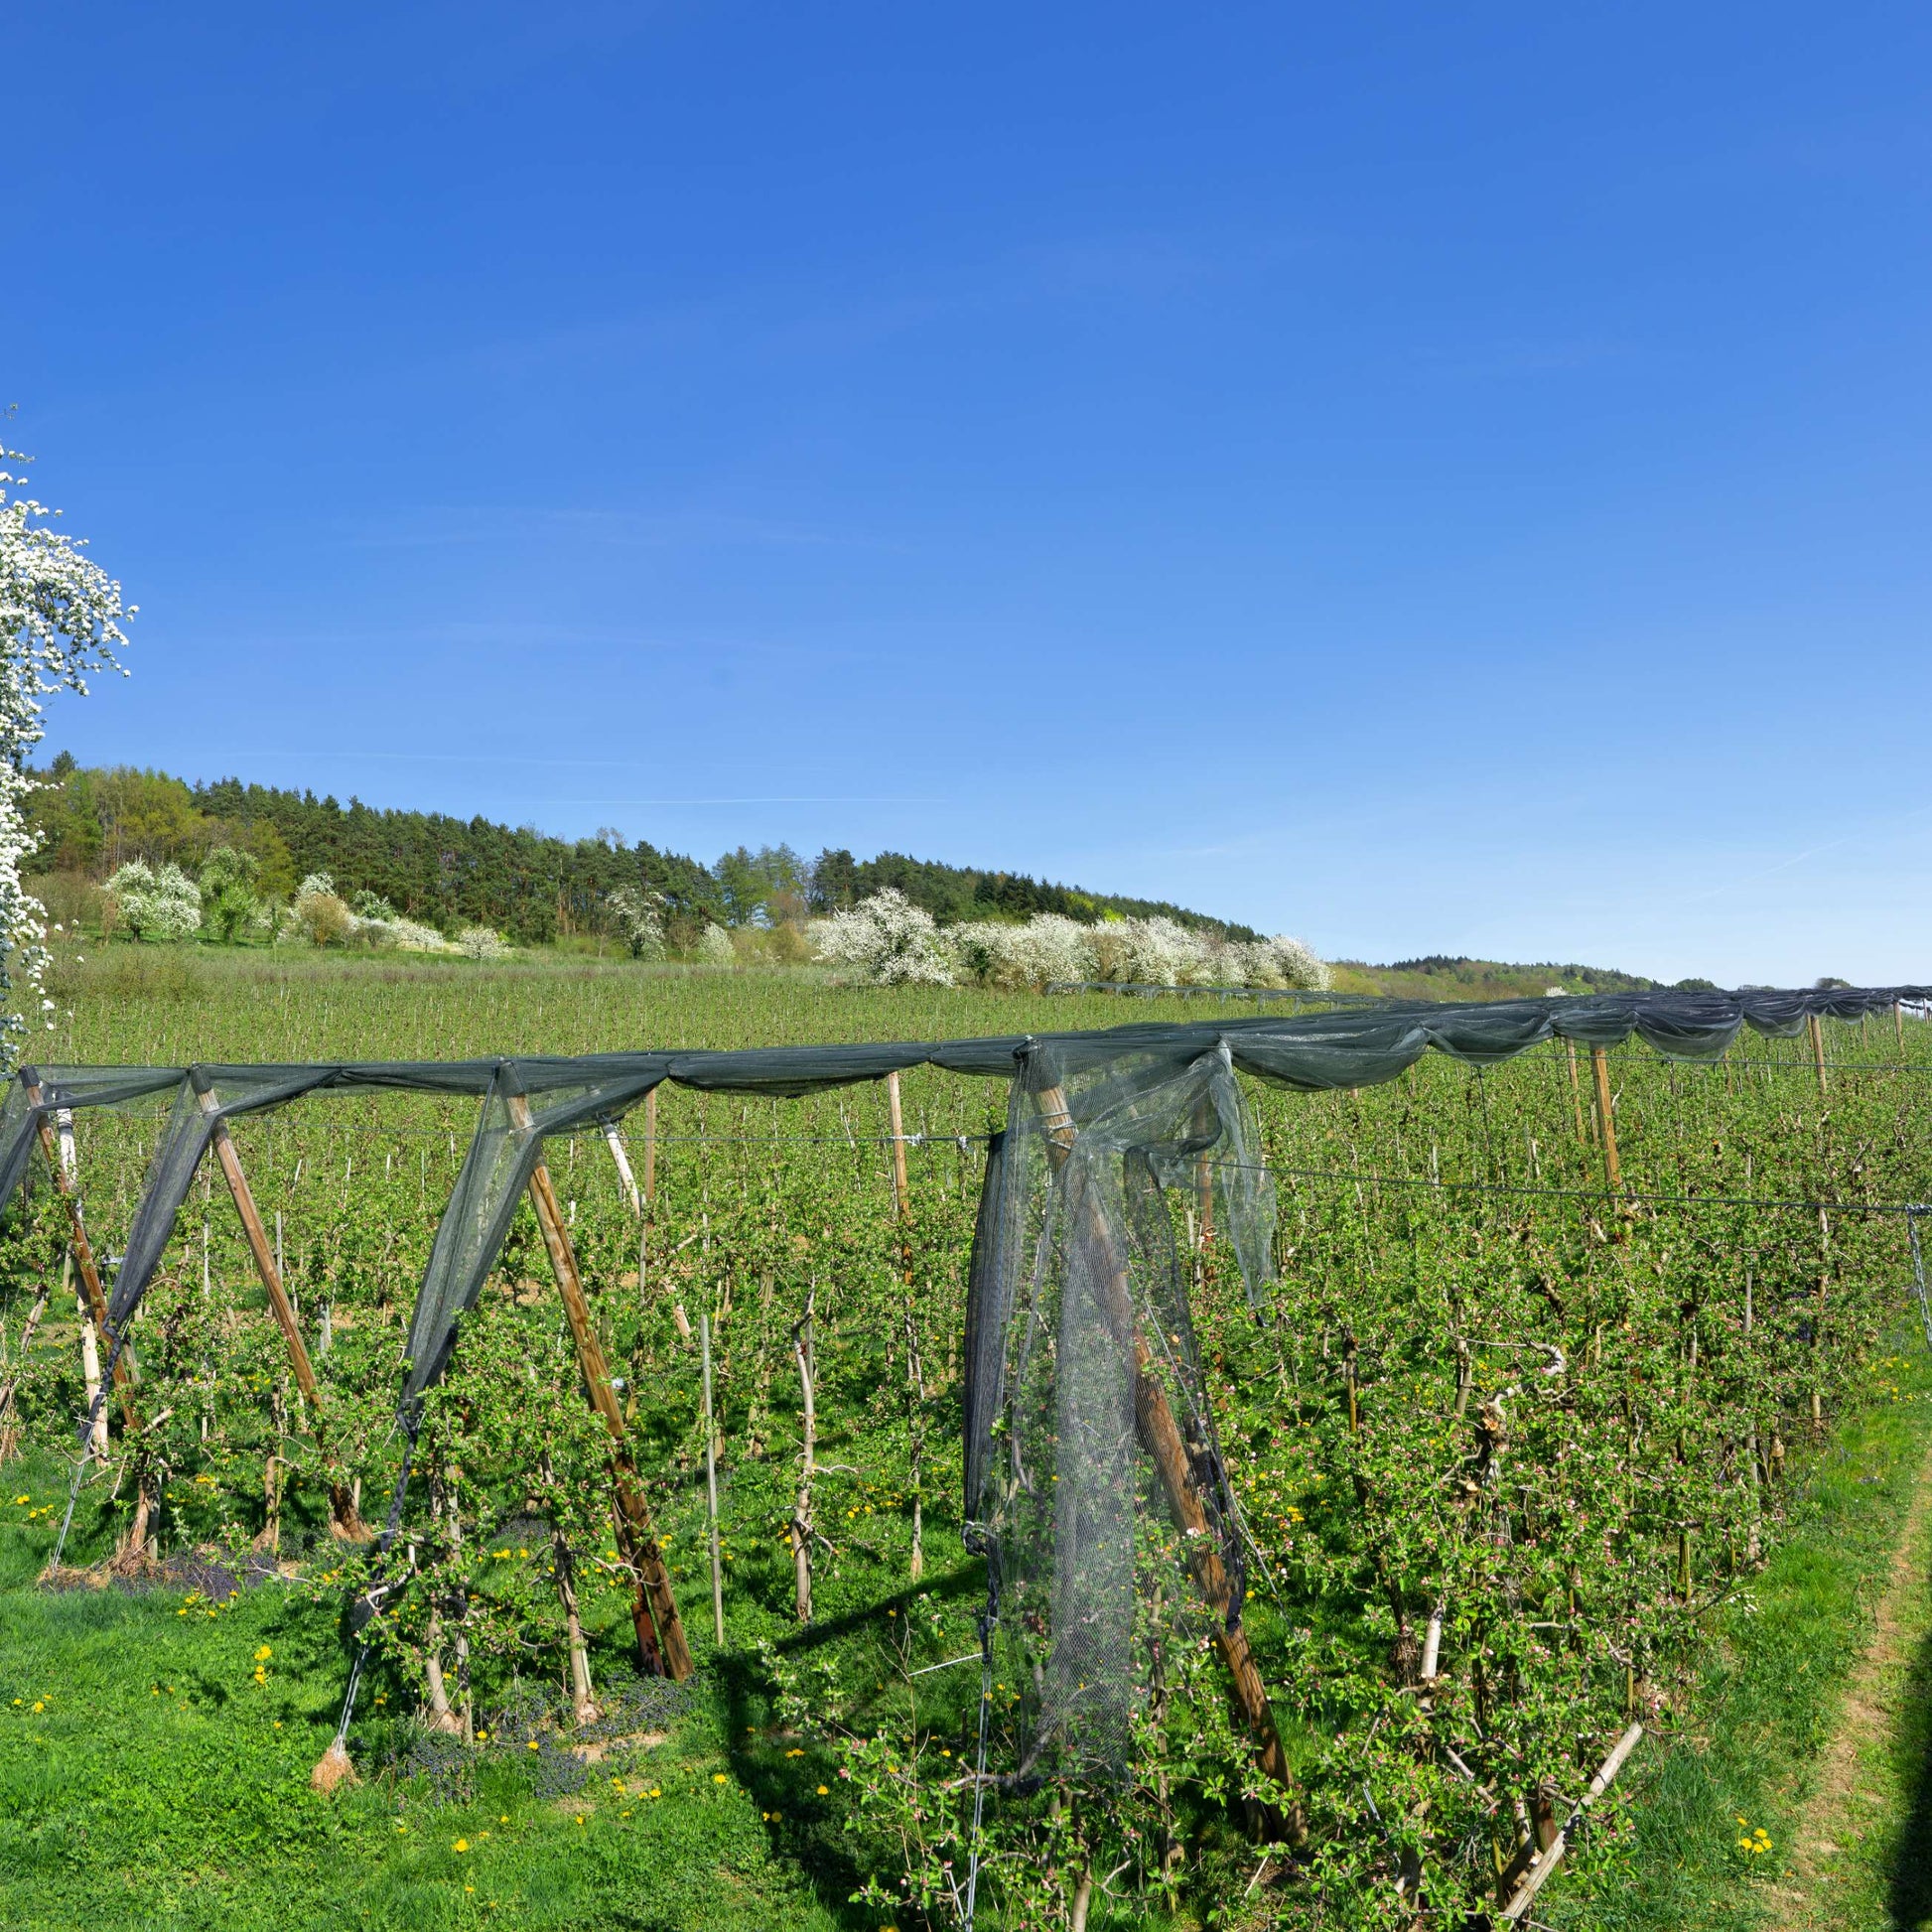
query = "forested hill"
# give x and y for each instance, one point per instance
(452, 871)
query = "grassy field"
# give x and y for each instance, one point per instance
(163, 1778)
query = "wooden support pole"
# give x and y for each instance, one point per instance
(650, 1146)
(1576, 1095)
(614, 1141)
(653, 1614)
(711, 1490)
(84, 1261)
(900, 1192)
(1816, 1028)
(1898, 1027)
(1599, 1068)
(1547, 1862)
(346, 1521)
(1161, 1436)
(914, 1368)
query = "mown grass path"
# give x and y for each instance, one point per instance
(1860, 1856)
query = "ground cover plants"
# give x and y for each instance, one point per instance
(1514, 1453)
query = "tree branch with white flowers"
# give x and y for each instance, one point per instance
(60, 617)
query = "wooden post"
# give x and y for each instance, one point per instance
(1599, 1068)
(1816, 1028)
(1160, 1437)
(899, 1142)
(1898, 1027)
(1577, 1096)
(660, 1633)
(1547, 1862)
(345, 1520)
(914, 1369)
(614, 1141)
(84, 1260)
(650, 1146)
(711, 1490)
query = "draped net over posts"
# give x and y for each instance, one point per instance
(1078, 1302)
(1077, 1293)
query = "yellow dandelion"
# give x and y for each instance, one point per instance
(458, 1844)
(718, 1777)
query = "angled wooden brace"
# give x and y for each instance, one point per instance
(654, 1610)
(345, 1520)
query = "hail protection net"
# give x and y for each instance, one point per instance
(1106, 1074)
(1090, 1438)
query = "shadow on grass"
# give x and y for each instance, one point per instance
(1910, 1895)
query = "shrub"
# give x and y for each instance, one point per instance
(482, 942)
(639, 920)
(159, 903)
(886, 941)
(1149, 952)
(326, 920)
(715, 947)
(73, 901)
(1048, 947)
(228, 892)
(1280, 961)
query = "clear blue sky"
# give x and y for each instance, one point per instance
(1424, 477)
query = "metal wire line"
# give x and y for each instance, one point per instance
(1583, 1193)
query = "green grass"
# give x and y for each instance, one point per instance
(158, 1784)
(1766, 1702)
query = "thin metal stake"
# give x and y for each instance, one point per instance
(986, 1623)
(1918, 1273)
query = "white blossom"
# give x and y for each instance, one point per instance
(1048, 947)
(638, 916)
(482, 942)
(156, 902)
(60, 617)
(886, 939)
(715, 947)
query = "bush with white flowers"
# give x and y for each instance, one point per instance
(159, 903)
(482, 942)
(715, 947)
(61, 618)
(638, 916)
(885, 939)
(1015, 959)
(1151, 952)
(1280, 961)
(321, 912)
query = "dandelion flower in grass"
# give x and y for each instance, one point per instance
(655, 1792)
(533, 1743)
(824, 1791)
(263, 1654)
(718, 1777)
(458, 1844)
(40, 1705)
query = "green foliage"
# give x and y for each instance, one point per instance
(229, 886)
(1550, 1415)
(449, 872)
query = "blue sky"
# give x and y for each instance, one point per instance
(1428, 478)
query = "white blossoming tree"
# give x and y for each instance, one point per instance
(60, 617)
(886, 939)
(156, 902)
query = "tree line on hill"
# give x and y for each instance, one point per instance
(451, 872)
